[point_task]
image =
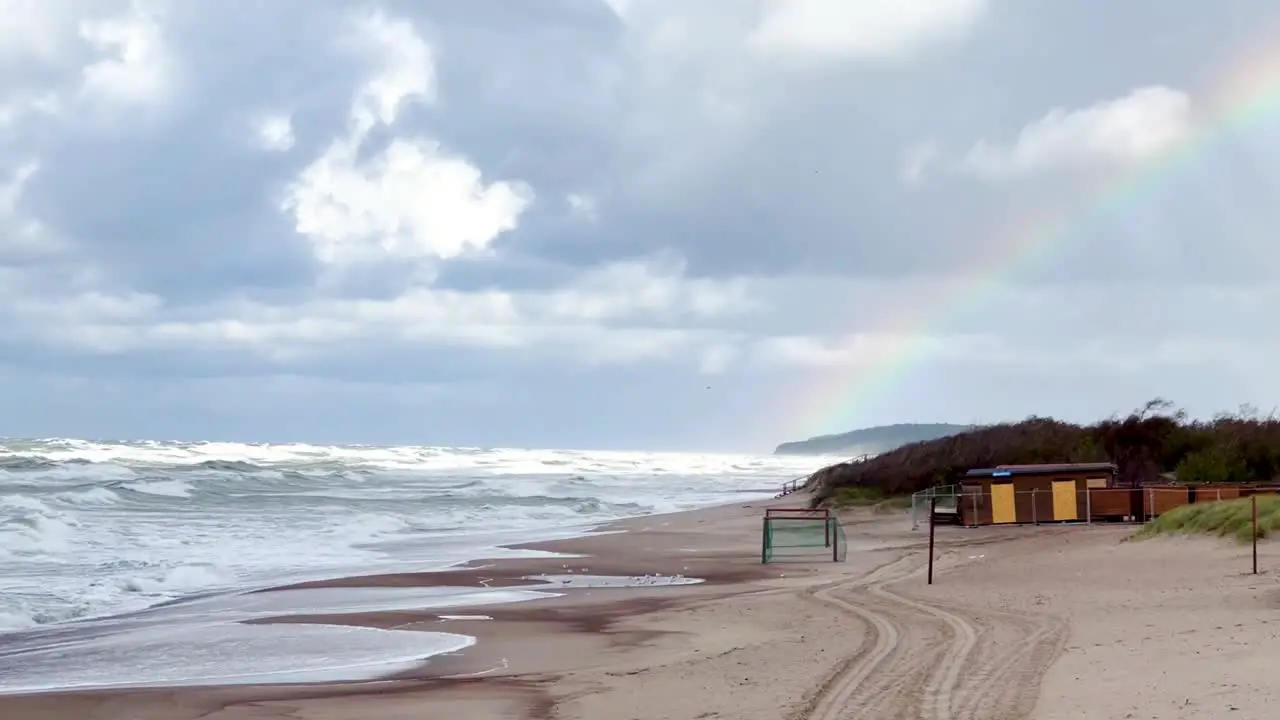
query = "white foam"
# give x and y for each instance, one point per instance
(163, 488)
(223, 654)
(117, 527)
(337, 600)
(91, 496)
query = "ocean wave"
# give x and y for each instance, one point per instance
(90, 528)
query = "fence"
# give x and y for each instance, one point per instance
(791, 486)
(797, 484)
(801, 534)
(948, 498)
(1008, 506)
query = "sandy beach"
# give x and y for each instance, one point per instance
(1048, 622)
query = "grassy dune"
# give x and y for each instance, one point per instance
(1226, 518)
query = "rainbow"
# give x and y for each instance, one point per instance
(1248, 95)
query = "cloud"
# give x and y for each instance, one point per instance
(405, 70)
(861, 29)
(583, 206)
(136, 67)
(274, 132)
(917, 160)
(85, 67)
(411, 200)
(1146, 123)
(617, 223)
(31, 30)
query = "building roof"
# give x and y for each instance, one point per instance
(1046, 469)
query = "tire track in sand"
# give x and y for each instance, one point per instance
(836, 693)
(899, 674)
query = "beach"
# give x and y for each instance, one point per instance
(1052, 622)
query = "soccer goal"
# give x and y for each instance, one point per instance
(801, 535)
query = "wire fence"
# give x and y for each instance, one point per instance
(948, 497)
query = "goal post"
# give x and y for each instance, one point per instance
(801, 534)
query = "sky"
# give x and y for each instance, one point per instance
(629, 224)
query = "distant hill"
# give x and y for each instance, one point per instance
(872, 440)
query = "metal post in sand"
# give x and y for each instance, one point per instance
(933, 506)
(1254, 498)
(764, 541)
(834, 543)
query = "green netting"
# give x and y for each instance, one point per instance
(803, 539)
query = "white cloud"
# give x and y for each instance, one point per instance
(22, 236)
(616, 314)
(405, 70)
(274, 132)
(917, 160)
(11, 191)
(1145, 123)
(137, 67)
(655, 287)
(851, 351)
(413, 199)
(32, 30)
(716, 358)
(861, 29)
(621, 8)
(583, 206)
(872, 352)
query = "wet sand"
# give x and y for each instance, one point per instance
(1052, 622)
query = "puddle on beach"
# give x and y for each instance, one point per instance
(579, 581)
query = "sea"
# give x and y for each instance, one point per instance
(129, 563)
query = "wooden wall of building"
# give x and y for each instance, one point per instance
(1061, 498)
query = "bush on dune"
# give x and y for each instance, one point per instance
(1239, 447)
(1226, 518)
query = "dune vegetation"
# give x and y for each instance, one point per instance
(1153, 442)
(1225, 518)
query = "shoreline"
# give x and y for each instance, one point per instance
(509, 635)
(1052, 622)
(606, 549)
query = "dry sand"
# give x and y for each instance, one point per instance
(1049, 622)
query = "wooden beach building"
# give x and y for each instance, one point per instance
(1065, 492)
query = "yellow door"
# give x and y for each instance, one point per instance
(1064, 500)
(1002, 503)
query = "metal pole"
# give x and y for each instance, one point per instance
(1254, 498)
(933, 504)
(1088, 505)
(1034, 519)
(764, 542)
(835, 544)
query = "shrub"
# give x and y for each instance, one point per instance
(1154, 439)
